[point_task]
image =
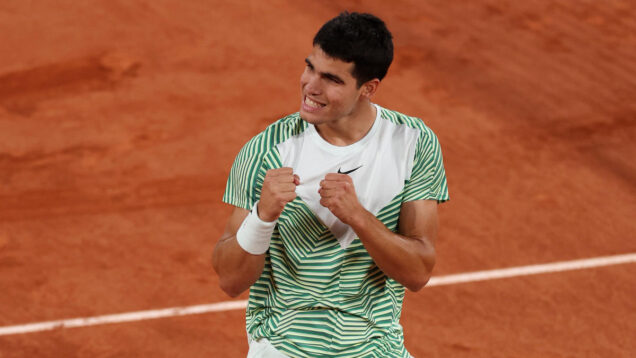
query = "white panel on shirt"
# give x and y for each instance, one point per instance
(384, 157)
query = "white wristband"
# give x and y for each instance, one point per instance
(255, 234)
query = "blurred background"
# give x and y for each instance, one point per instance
(119, 121)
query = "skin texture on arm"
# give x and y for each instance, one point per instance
(238, 269)
(407, 256)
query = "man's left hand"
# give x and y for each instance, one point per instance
(338, 194)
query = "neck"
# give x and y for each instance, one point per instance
(351, 128)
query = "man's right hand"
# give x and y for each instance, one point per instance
(279, 188)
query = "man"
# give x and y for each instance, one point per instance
(335, 208)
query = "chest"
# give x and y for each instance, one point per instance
(378, 165)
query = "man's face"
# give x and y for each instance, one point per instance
(329, 91)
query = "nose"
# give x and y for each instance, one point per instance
(310, 83)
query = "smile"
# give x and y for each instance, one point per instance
(311, 105)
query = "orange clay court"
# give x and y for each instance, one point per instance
(119, 121)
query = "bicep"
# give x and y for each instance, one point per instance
(418, 220)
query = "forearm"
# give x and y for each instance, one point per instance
(237, 269)
(239, 256)
(405, 259)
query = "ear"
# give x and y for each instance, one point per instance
(368, 88)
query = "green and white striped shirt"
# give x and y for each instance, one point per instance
(320, 293)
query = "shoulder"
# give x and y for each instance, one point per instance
(426, 134)
(258, 154)
(275, 133)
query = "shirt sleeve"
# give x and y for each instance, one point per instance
(428, 177)
(246, 178)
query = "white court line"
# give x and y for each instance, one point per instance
(235, 305)
(123, 317)
(531, 270)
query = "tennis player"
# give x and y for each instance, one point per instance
(335, 208)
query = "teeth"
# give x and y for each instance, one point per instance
(311, 103)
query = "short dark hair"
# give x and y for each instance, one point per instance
(359, 38)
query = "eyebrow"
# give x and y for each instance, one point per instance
(327, 75)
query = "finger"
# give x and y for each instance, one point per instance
(285, 187)
(280, 171)
(296, 179)
(281, 178)
(329, 193)
(337, 177)
(331, 184)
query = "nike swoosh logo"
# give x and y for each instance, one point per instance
(349, 171)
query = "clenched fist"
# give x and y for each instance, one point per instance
(338, 194)
(279, 188)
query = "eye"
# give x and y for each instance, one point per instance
(309, 66)
(333, 79)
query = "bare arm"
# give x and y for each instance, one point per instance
(237, 269)
(407, 256)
